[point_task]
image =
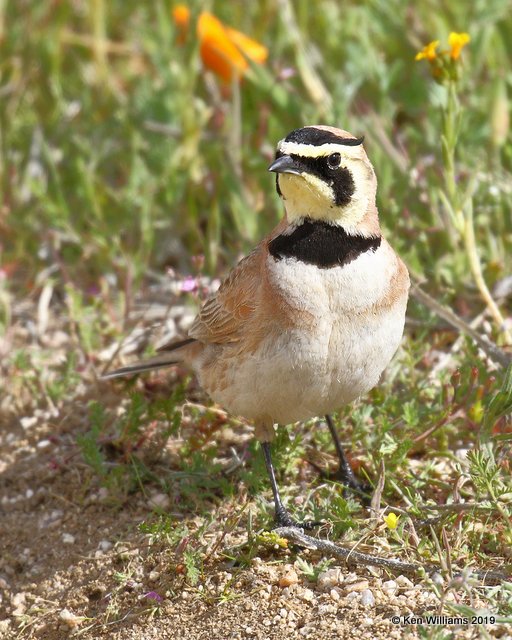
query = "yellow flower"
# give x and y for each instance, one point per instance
(428, 52)
(457, 41)
(391, 520)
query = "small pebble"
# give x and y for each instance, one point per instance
(335, 594)
(389, 587)
(357, 586)
(28, 421)
(330, 578)
(159, 501)
(367, 598)
(18, 598)
(308, 595)
(288, 578)
(323, 609)
(404, 582)
(351, 577)
(67, 538)
(70, 618)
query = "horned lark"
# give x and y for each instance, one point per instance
(308, 321)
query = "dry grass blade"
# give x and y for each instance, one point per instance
(377, 494)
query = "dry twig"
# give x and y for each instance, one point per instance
(491, 350)
(327, 547)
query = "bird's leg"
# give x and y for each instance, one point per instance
(282, 517)
(344, 472)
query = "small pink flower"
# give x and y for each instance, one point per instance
(286, 73)
(153, 595)
(189, 285)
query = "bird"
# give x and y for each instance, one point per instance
(308, 321)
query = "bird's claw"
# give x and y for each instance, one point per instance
(283, 519)
(349, 481)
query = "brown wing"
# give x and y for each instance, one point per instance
(222, 317)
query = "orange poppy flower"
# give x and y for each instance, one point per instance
(222, 49)
(181, 15)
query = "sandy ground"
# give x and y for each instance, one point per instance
(75, 564)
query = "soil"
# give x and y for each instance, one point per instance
(74, 562)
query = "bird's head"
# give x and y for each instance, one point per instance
(323, 173)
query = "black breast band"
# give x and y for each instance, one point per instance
(322, 244)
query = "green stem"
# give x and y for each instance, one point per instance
(451, 118)
(478, 276)
(461, 210)
(100, 38)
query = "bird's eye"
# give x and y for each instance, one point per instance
(333, 161)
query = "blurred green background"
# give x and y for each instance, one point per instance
(120, 153)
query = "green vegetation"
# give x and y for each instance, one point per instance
(121, 157)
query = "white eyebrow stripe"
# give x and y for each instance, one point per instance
(318, 151)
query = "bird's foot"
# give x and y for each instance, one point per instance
(349, 481)
(284, 519)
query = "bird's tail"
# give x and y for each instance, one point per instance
(158, 362)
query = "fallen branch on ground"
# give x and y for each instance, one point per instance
(327, 547)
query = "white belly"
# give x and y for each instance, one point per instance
(301, 373)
